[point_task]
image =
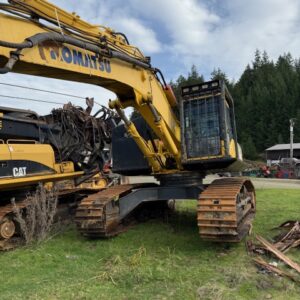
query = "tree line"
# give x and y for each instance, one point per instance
(266, 96)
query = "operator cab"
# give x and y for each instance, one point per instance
(208, 130)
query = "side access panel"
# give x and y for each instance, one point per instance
(127, 158)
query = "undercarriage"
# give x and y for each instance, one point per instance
(224, 212)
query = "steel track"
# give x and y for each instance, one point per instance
(97, 216)
(225, 210)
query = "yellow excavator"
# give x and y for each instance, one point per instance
(65, 151)
(178, 141)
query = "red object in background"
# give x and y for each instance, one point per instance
(107, 168)
(266, 171)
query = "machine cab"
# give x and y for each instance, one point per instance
(208, 130)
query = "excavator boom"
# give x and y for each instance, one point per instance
(41, 50)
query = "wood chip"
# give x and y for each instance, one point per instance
(278, 253)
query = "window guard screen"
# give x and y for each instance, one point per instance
(202, 127)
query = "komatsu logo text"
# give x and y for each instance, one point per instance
(75, 57)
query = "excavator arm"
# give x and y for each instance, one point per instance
(71, 49)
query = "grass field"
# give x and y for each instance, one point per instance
(153, 260)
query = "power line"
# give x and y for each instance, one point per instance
(40, 90)
(46, 91)
(30, 99)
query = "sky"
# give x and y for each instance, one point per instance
(177, 34)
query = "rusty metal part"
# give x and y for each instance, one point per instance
(8, 226)
(98, 214)
(9, 237)
(226, 209)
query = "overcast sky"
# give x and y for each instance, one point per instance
(176, 34)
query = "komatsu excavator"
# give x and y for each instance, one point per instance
(178, 141)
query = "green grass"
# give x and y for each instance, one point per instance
(153, 260)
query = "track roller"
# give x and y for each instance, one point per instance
(97, 216)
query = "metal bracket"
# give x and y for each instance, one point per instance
(131, 201)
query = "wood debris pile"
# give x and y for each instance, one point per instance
(287, 239)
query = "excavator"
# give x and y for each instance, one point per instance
(64, 151)
(178, 141)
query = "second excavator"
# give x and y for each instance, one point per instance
(178, 141)
(62, 154)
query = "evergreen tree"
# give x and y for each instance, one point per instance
(249, 149)
(192, 78)
(217, 74)
(266, 97)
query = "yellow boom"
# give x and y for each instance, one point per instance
(78, 51)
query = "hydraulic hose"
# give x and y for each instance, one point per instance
(131, 60)
(59, 38)
(14, 57)
(23, 45)
(124, 36)
(53, 36)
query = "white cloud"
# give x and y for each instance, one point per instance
(224, 33)
(118, 16)
(187, 22)
(139, 35)
(267, 25)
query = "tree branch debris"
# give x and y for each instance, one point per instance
(287, 240)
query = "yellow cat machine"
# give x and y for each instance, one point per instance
(23, 165)
(178, 149)
(47, 149)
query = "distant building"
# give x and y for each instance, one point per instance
(276, 152)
